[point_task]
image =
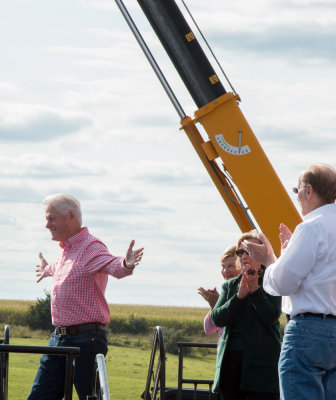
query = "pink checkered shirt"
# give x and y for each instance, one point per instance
(80, 279)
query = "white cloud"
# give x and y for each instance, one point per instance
(7, 90)
(21, 122)
(6, 219)
(82, 112)
(104, 5)
(17, 191)
(39, 166)
(166, 173)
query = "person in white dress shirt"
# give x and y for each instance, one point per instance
(305, 274)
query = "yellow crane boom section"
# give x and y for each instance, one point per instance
(232, 140)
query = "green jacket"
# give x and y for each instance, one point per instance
(261, 343)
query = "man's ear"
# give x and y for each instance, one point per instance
(72, 216)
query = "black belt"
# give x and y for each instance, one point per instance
(309, 314)
(74, 329)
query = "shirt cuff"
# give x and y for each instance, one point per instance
(47, 270)
(124, 265)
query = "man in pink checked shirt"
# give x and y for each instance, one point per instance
(78, 305)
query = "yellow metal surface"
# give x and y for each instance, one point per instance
(247, 164)
(211, 166)
(209, 150)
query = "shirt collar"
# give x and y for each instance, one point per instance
(73, 240)
(320, 210)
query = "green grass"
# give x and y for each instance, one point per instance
(125, 309)
(188, 319)
(126, 370)
(16, 304)
(179, 313)
(128, 356)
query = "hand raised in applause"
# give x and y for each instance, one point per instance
(284, 235)
(262, 253)
(210, 295)
(133, 257)
(243, 289)
(248, 283)
(40, 268)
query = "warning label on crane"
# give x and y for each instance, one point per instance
(190, 37)
(213, 79)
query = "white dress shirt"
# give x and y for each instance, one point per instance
(305, 273)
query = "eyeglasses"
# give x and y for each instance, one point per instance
(296, 190)
(241, 252)
(253, 271)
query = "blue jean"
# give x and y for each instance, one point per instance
(307, 364)
(50, 376)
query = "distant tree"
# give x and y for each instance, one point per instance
(171, 337)
(39, 314)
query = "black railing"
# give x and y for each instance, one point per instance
(196, 392)
(156, 381)
(4, 367)
(69, 352)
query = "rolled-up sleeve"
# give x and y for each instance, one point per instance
(284, 277)
(209, 327)
(99, 259)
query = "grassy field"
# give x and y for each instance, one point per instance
(125, 309)
(126, 370)
(158, 311)
(16, 304)
(128, 357)
(181, 313)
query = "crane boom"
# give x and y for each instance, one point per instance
(230, 138)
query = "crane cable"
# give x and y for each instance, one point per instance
(208, 46)
(226, 179)
(215, 167)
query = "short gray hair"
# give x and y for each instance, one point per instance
(64, 203)
(322, 177)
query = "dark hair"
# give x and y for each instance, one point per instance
(250, 235)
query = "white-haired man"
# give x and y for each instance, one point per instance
(305, 274)
(78, 305)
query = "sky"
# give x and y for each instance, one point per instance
(82, 112)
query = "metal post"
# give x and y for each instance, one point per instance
(69, 376)
(102, 376)
(180, 372)
(69, 352)
(151, 59)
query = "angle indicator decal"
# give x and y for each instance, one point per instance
(236, 150)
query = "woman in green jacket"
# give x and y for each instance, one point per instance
(247, 357)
